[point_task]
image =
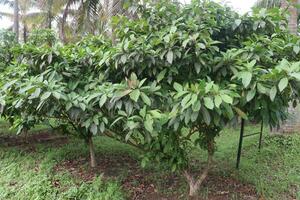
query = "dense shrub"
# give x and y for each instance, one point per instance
(171, 80)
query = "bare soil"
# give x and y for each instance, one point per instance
(32, 139)
(144, 184)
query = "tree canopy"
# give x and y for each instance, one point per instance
(171, 79)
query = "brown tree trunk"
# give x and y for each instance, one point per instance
(92, 152)
(25, 133)
(194, 184)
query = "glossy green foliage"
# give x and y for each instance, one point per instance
(172, 79)
(7, 41)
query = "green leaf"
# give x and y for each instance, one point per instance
(82, 106)
(194, 99)
(94, 129)
(196, 106)
(226, 98)
(273, 92)
(123, 59)
(173, 29)
(206, 116)
(238, 22)
(283, 83)
(250, 95)
(177, 87)
(45, 96)
(146, 99)
(296, 75)
(208, 102)
(102, 100)
(128, 135)
(185, 42)
(155, 113)
(170, 56)
(262, 89)
(197, 67)
(135, 94)
(296, 49)
(149, 123)
(218, 101)
(202, 46)
(246, 78)
(36, 93)
(161, 75)
(185, 100)
(143, 112)
(56, 95)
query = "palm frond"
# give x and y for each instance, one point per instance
(7, 2)
(6, 14)
(267, 4)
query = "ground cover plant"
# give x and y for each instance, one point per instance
(170, 81)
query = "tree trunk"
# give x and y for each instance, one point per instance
(63, 22)
(92, 152)
(293, 19)
(194, 184)
(16, 19)
(49, 18)
(291, 124)
(25, 33)
(114, 7)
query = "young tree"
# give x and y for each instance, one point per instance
(212, 66)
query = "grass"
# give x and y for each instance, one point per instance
(27, 174)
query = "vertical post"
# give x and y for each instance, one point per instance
(260, 135)
(240, 144)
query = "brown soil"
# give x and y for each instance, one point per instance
(146, 185)
(31, 139)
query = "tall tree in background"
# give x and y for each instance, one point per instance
(285, 4)
(15, 5)
(74, 18)
(16, 19)
(292, 123)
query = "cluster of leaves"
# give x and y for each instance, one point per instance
(7, 42)
(172, 79)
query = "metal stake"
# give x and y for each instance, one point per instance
(260, 136)
(240, 144)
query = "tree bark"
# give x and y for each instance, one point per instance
(16, 19)
(49, 18)
(25, 33)
(293, 19)
(194, 184)
(63, 22)
(291, 124)
(92, 152)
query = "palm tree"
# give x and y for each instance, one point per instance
(16, 19)
(21, 15)
(15, 5)
(267, 4)
(92, 16)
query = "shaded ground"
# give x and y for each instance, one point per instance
(32, 139)
(141, 185)
(64, 172)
